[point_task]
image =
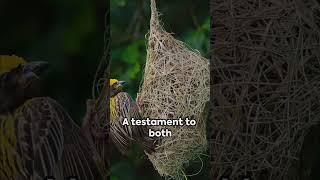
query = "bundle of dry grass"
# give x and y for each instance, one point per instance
(266, 86)
(175, 84)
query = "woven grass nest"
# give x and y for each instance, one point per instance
(175, 85)
(265, 70)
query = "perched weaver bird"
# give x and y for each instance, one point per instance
(37, 137)
(123, 106)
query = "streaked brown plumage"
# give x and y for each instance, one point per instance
(100, 122)
(46, 142)
(37, 136)
(123, 106)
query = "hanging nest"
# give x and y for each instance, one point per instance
(175, 85)
(266, 87)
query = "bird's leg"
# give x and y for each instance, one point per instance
(91, 134)
(89, 125)
(99, 134)
(139, 103)
(88, 119)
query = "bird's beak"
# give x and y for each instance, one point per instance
(122, 83)
(119, 85)
(32, 71)
(36, 67)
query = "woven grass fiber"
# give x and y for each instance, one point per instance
(266, 81)
(175, 85)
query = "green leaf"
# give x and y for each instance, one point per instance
(119, 3)
(118, 169)
(131, 54)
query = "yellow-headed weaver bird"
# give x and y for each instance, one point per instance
(37, 137)
(99, 123)
(123, 106)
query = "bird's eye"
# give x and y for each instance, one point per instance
(6, 77)
(8, 80)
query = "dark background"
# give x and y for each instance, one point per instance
(67, 34)
(70, 36)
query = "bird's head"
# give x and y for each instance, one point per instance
(115, 86)
(19, 81)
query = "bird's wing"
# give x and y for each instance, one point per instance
(78, 159)
(124, 135)
(39, 137)
(56, 147)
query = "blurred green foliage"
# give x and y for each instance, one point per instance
(67, 34)
(189, 21)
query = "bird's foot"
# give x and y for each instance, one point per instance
(88, 117)
(139, 103)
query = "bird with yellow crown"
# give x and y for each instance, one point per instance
(37, 137)
(121, 106)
